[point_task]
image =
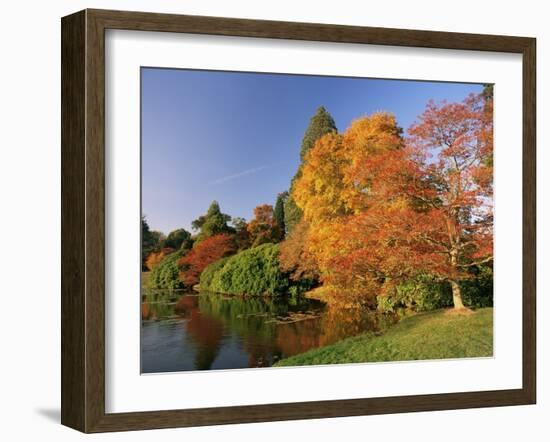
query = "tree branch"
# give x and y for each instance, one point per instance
(476, 263)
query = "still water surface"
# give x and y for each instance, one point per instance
(209, 331)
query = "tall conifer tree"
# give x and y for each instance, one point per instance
(320, 124)
(279, 213)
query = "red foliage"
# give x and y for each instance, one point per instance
(204, 253)
(422, 207)
(430, 205)
(263, 228)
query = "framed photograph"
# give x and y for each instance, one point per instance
(267, 220)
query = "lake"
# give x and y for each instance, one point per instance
(183, 331)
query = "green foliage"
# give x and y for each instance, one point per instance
(320, 124)
(478, 292)
(213, 223)
(208, 274)
(166, 274)
(242, 237)
(150, 241)
(279, 213)
(425, 293)
(239, 224)
(420, 294)
(298, 288)
(177, 239)
(293, 215)
(252, 272)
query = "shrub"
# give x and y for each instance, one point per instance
(478, 292)
(424, 293)
(420, 294)
(209, 273)
(166, 274)
(155, 258)
(253, 271)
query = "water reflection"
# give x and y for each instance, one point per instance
(209, 331)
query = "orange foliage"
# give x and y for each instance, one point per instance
(204, 253)
(155, 258)
(294, 256)
(381, 210)
(338, 175)
(372, 146)
(263, 228)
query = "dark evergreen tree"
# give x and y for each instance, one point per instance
(293, 215)
(179, 238)
(150, 241)
(279, 213)
(320, 124)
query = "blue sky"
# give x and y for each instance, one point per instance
(235, 137)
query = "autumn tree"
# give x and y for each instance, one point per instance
(336, 177)
(383, 212)
(204, 253)
(214, 222)
(320, 124)
(263, 228)
(319, 190)
(455, 190)
(295, 257)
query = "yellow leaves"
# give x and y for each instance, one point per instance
(371, 135)
(336, 177)
(317, 191)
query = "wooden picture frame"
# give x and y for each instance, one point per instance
(83, 220)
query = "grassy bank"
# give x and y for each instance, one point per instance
(433, 335)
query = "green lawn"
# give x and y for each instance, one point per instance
(433, 335)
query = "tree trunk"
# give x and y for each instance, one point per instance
(457, 297)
